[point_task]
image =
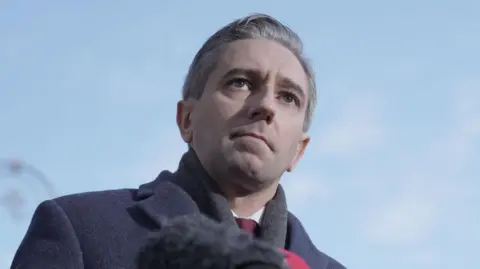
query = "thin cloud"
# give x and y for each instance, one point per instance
(425, 258)
(161, 151)
(406, 219)
(435, 198)
(301, 188)
(6, 256)
(356, 129)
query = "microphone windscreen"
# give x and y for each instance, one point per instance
(195, 241)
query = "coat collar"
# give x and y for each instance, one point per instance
(162, 198)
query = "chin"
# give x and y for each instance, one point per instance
(249, 168)
(248, 160)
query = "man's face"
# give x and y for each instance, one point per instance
(248, 125)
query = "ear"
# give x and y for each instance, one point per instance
(302, 145)
(184, 122)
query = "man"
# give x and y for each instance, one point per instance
(247, 104)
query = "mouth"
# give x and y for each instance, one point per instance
(252, 135)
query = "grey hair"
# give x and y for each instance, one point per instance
(250, 27)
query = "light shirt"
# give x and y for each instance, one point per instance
(257, 217)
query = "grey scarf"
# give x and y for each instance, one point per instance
(192, 177)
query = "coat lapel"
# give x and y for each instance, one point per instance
(162, 199)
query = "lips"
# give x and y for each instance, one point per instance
(253, 135)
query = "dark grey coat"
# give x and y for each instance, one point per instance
(105, 230)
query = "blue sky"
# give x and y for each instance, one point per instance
(391, 178)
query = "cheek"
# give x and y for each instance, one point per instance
(289, 125)
(290, 140)
(293, 150)
(226, 107)
(212, 115)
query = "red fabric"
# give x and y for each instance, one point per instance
(247, 225)
(294, 261)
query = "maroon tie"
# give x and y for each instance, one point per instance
(247, 225)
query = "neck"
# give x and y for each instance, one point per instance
(218, 203)
(248, 204)
(243, 202)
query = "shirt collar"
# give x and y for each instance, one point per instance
(257, 216)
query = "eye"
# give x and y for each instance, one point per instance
(239, 84)
(290, 98)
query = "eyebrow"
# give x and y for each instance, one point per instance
(242, 71)
(284, 81)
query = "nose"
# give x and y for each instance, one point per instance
(262, 106)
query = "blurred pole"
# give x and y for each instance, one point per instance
(23, 174)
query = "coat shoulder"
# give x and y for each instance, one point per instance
(73, 231)
(97, 199)
(301, 235)
(92, 210)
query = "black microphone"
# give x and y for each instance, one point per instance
(197, 242)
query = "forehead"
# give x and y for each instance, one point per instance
(266, 56)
